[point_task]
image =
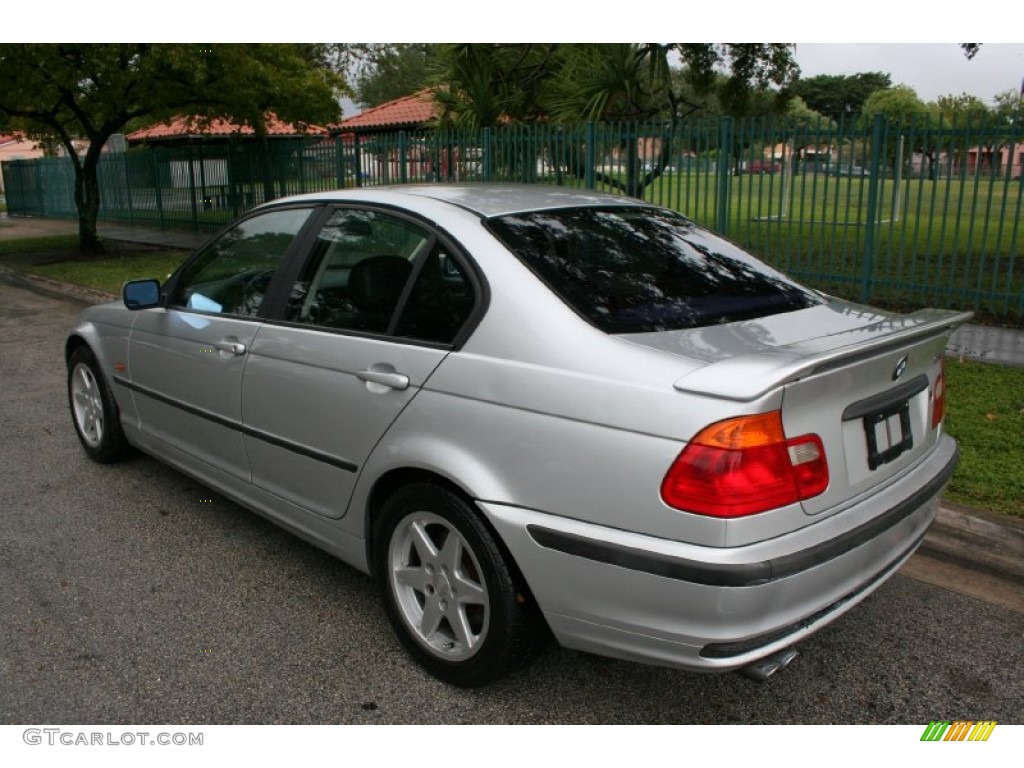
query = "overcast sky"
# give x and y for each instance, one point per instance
(903, 32)
(931, 69)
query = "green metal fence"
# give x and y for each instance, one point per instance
(913, 216)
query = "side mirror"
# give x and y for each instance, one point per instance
(141, 294)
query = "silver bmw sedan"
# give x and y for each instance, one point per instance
(531, 411)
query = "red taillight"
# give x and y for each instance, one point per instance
(939, 396)
(743, 466)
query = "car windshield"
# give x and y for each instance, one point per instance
(635, 270)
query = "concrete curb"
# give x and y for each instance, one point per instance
(978, 540)
(974, 539)
(55, 288)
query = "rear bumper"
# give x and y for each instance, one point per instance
(714, 609)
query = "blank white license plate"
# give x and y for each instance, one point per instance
(888, 434)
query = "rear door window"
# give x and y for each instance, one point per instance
(375, 273)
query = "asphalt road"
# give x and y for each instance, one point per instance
(131, 594)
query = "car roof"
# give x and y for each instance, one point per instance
(485, 200)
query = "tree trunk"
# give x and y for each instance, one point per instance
(87, 201)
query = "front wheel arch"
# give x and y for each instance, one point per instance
(72, 344)
(94, 410)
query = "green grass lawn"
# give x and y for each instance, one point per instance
(949, 243)
(985, 413)
(54, 257)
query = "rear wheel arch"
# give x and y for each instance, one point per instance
(393, 481)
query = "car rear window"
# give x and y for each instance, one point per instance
(636, 270)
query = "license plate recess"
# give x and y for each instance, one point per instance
(886, 421)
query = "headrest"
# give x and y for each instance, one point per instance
(374, 284)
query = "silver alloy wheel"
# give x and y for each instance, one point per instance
(438, 586)
(87, 401)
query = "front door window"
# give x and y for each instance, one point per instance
(232, 274)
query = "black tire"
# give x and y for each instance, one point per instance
(94, 411)
(451, 593)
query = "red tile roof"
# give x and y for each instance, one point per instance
(184, 127)
(409, 111)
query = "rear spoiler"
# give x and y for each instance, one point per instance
(748, 377)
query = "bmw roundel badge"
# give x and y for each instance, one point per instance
(901, 366)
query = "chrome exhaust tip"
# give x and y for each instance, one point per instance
(762, 669)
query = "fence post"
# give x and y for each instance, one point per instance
(358, 160)
(871, 226)
(39, 188)
(203, 194)
(301, 145)
(158, 187)
(192, 190)
(403, 149)
(723, 174)
(339, 161)
(591, 149)
(123, 158)
(487, 154)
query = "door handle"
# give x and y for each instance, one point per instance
(232, 347)
(393, 380)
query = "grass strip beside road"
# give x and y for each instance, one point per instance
(55, 258)
(985, 403)
(985, 413)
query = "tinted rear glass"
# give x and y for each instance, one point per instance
(634, 270)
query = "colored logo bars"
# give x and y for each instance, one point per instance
(959, 730)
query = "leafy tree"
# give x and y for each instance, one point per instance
(482, 85)
(809, 127)
(963, 109)
(760, 102)
(954, 116)
(902, 108)
(64, 92)
(389, 72)
(1004, 124)
(839, 96)
(901, 105)
(1008, 111)
(798, 111)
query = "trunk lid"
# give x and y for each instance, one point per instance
(860, 379)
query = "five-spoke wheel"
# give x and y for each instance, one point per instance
(436, 580)
(93, 409)
(455, 600)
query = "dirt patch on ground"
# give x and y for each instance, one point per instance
(20, 227)
(110, 248)
(26, 228)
